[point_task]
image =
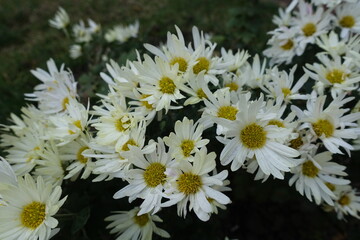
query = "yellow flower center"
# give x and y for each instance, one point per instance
(146, 103)
(228, 112)
(309, 29)
(79, 155)
(65, 101)
(201, 94)
(189, 183)
(167, 85)
(276, 123)
(183, 65)
(309, 169)
(344, 200)
(347, 21)
(77, 124)
(253, 136)
(330, 186)
(323, 126)
(335, 76)
(296, 143)
(141, 220)
(187, 146)
(131, 142)
(288, 45)
(202, 64)
(122, 124)
(286, 91)
(154, 174)
(33, 215)
(232, 86)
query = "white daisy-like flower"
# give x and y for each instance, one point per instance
(122, 33)
(338, 74)
(254, 75)
(348, 17)
(314, 174)
(330, 125)
(147, 178)
(196, 90)
(160, 82)
(60, 20)
(69, 125)
(75, 51)
(331, 43)
(234, 82)
(81, 33)
(115, 122)
(7, 175)
(347, 201)
(74, 152)
(130, 225)
(192, 183)
(29, 209)
(48, 77)
(281, 85)
(186, 140)
(250, 136)
(236, 60)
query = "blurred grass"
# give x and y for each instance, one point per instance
(259, 211)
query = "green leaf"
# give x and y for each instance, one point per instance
(80, 220)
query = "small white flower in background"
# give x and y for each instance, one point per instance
(128, 225)
(29, 209)
(93, 26)
(192, 183)
(81, 33)
(186, 140)
(347, 201)
(75, 51)
(60, 20)
(314, 176)
(122, 33)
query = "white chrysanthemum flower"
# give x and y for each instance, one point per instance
(147, 178)
(93, 26)
(234, 82)
(283, 46)
(7, 176)
(330, 3)
(69, 125)
(330, 125)
(122, 33)
(60, 20)
(236, 60)
(50, 166)
(81, 33)
(314, 174)
(29, 210)
(115, 122)
(348, 17)
(186, 140)
(128, 225)
(340, 76)
(254, 75)
(347, 201)
(331, 43)
(250, 136)
(281, 85)
(48, 77)
(192, 183)
(75, 152)
(75, 51)
(196, 90)
(310, 24)
(160, 82)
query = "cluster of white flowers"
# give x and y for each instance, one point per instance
(269, 125)
(83, 35)
(304, 23)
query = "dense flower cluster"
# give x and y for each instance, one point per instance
(269, 124)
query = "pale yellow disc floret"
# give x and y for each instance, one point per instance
(79, 155)
(125, 147)
(330, 186)
(154, 174)
(187, 146)
(64, 102)
(228, 112)
(296, 143)
(286, 91)
(232, 86)
(344, 200)
(202, 64)
(323, 126)
(146, 103)
(253, 136)
(33, 215)
(309, 29)
(336, 76)
(276, 123)
(201, 94)
(189, 183)
(167, 85)
(288, 45)
(183, 65)
(309, 169)
(141, 220)
(347, 21)
(122, 125)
